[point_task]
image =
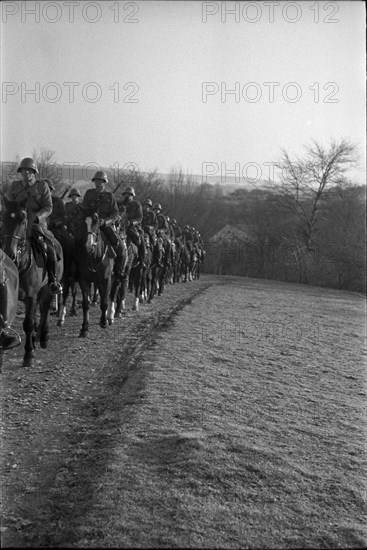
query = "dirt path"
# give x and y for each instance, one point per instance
(231, 413)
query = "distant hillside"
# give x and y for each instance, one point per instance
(80, 177)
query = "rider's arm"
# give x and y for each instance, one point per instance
(42, 196)
(113, 213)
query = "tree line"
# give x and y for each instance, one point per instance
(308, 226)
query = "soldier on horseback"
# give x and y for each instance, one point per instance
(100, 202)
(134, 216)
(150, 222)
(161, 218)
(57, 218)
(176, 229)
(56, 222)
(74, 211)
(169, 232)
(188, 237)
(177, 233)
(36, 196)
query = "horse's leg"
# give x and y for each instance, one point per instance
(121, 305)
(30, 303)
(62, 304)
(85, 288)
(74, 290)
(137, 283)
(44, 304)
(153, 283)
(162, 280)
(111, 310)
(104, 291)
(95, 295)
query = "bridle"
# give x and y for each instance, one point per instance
(21, 243)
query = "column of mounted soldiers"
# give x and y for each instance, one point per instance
(49, 217)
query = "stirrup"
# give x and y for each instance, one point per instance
(55, 287)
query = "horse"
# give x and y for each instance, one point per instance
(33, 279)
(165, 262)
(154, 270)
(153, 262)
(185, 262)
(201, 254)
(9, 288)
(94, 262)
(68, 280)
(132, 273)
(176, 261)
(140, 275)
(194, 262)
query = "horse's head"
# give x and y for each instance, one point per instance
(93, 230)
(14, 229)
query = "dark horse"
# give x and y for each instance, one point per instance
(33, 280)
(166, 262)
(150, 282)
(119, 287)
(94, 263)
(149, 276)
(9, 288)
(69, 276)
(185, 262)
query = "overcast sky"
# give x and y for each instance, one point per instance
(150, 81)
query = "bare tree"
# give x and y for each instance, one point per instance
(305, 182)
(48, 168)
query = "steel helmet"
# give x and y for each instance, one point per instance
(168, 218)
(49, 183)
(100, 175)
(157, 206)
(129, 191)
(28, 163)
(148, 202)
(174, 221)
(74, 192)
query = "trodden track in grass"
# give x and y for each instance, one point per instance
(229, 414)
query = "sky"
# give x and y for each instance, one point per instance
(212, 88)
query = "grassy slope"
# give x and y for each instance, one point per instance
(249, 430)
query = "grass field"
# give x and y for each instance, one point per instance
(230, 414)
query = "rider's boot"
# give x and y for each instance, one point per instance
(55, 286)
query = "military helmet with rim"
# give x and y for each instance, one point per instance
(100, 175)
(28, 163)
(129, 191)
